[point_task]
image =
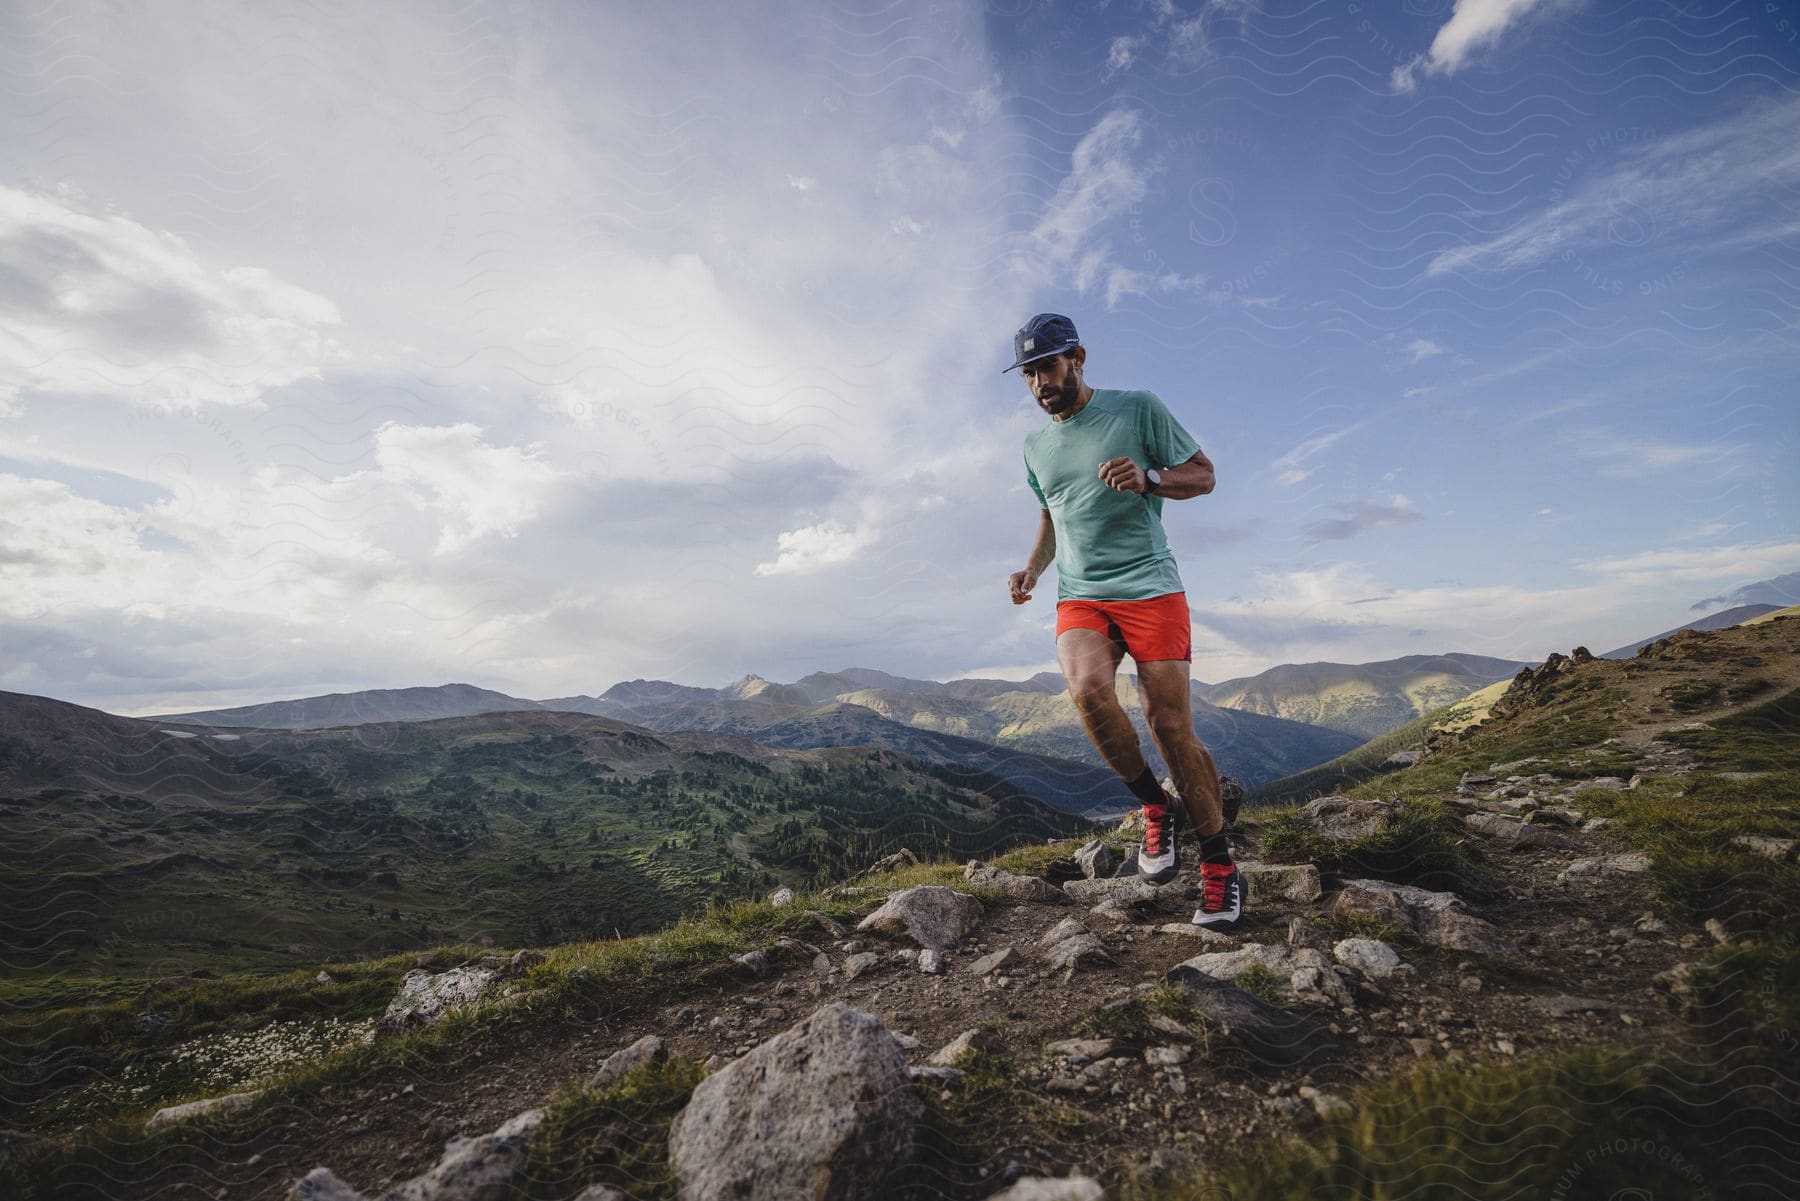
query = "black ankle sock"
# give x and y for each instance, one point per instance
(1215, 848)
(1147, 790)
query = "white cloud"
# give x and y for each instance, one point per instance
(103, 304)
(815, 547)
(1473, 25)
(475, 489)
(1291, 467)
(1424, 348)
(1122, 53)
(1709, 178)
(1103, 183)
(1709, 564)
(1123, 281)
(1292, 476)
(1360, 516)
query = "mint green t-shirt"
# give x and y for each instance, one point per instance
(1109, 544)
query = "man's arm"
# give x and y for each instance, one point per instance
(1043, 553)
(1192, 478)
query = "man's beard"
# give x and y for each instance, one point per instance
(1063, 399)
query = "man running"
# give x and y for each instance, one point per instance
(1101, 470)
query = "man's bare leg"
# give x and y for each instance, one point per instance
(1090, 664)
(1163, 691)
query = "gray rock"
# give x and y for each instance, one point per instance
(933, 916)
(1518, 836)
(425, 998)
(1302, 933)
(599, 1192)
(1303, 974)
(1166, 1057)
(1605, 783)
(1630, 864)
(175, 1114)
(1133, 890)
(1011, 887)
(322, 1184)
(1342, 819)
(1268, 1032)
(1438, 919)
(1566, 1004)
(1560, 815)
(931, 962)
(471, 1169)
(1090, 1048)
(1005, 957)
(756, 963)
(969, 1040)
(1096, 860)
(824, 1110)
(1066, 929)
(1112, 909)
(1210, 938)
(935, 1073)
(1402, 759)
(1174, 1029)
(1048, 1188)
(1282, 881)
(861, 963)
(781, 897)
(1370, 956)
(646, 1050)
(1083, 950)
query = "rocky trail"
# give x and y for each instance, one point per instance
(988, 1035)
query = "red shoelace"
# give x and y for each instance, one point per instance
(1213, 879)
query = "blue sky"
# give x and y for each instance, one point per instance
(547, 347)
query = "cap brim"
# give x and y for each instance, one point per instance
(1052, 352)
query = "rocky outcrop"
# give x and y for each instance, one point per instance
(1437, 919)
(1267, 1032)
(931, 915)
(1303, 975)
(1282, 882)
(824, 1110)
(426, 997)
(1342, 819)
(175, 1114)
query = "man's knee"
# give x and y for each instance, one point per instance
(1169, 726)
(1091, 693)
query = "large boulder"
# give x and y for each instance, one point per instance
(1011, 887)
(824, 1110)
(426, 997)
(933, 916)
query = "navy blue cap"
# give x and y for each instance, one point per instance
(1044, 335)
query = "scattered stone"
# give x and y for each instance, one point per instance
(1166, 1057)
(822, 963)
(1048, 1188)
(1605, 784)
(1717, 929)
(941, 1075)
(322, 1184)
(1631, 863)
(935, 917)
(1302, 933)
(822, 1110)
(1282, 881)
(324, 977)
(425, 998)
(1090, 1048)
(175, 1114)
(1132, 890)
(1518, 836)
(756, 963)
(1370, 956)
(1342, 819)
(1096, 860)
(646, 1050)
(1011, 887)
(1651, 924)
(1326, 1105)
(1303, 974)
(1083, 950)
(1682, 984)
(827, 923)
(1469, 984)
(1563, 1005)
(1559, 815)
(1174, 1029)
(1112, 909)
(781, 897)
(931, 962)
(969, 1040)
(600, 1192)
(1005, 957)
(1593, 824)
(1435, 918)
(1066, 929)
(1269, 1033)
(1778, 849)
(860, 964)
(901, 858)
(1402, 759)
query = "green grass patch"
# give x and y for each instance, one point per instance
(1765, 737)
(1690, 696)
(1425, 843)
(1688, 826)
(987, 1113)
(1589, 1124)
(616, 1136)
(1258, 979)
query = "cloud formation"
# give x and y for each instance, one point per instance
(1473, 24)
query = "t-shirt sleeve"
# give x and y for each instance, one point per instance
(1031, 478)
(1167, 443)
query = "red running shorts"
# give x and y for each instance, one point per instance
(1149, 630)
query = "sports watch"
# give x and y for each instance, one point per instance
(1152, 480)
